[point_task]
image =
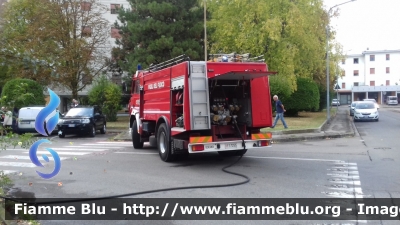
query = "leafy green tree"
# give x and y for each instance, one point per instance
(290, 34)
(107, 95)
(158, 30)
(305, 98)
(22, 92)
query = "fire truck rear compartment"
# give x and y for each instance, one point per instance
(230, 118)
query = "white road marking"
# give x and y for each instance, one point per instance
(5, 172)
(78, 149)
(23, 157)
(95, 146)
(303, 159)
(17, 164)
(65, 153)
(353, 182)
(115, 142)
(139, 153)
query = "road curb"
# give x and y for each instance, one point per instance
(317, 137)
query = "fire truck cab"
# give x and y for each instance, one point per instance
(189, 107)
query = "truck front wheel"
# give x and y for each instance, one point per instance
(137, 144)
(164, 147)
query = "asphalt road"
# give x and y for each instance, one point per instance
(361, 166)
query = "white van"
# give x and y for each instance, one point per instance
(27, 117)
(392, 100)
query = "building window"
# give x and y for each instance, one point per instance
(343, 73)
(371, 83)
(372, 58)
(387, 82)
(371, 70)
(86, 79)
(387, 69)
(387, 56)
(355, 60)
(114, 8)
(355, 83)
(115, 33)
(86, 31)
(86, 6)
(343, 61)
(343, 85)
(355, 73)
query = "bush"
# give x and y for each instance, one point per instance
(107, 95)
(305, 98)
(22, 92)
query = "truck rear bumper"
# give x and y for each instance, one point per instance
(227, 145)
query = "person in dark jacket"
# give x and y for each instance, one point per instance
(15, 120)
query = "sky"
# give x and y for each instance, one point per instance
(362, 24)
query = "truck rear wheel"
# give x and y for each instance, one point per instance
(136, 137)
(163, 145)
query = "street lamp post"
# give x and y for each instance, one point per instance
(205, 31)
(328, 116)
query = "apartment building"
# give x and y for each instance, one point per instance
(371, 74)
(112, 16)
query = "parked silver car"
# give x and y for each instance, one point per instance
(352, 107)
(335, 102)
(366, 111)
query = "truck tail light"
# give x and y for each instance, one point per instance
(140, 130)
(264, 143)
(198, 147)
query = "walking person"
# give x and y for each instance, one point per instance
(280, 109)
(2, 115)
(15, 120)
(7, 120)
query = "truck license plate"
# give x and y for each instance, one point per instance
(208, 146)
(71, 125)
(231, 145)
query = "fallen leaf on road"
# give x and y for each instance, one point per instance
(70, 173)
(71, 143)
(30, 183)
(104, 170)
(75, 158)
(20, 174)
(59, 184)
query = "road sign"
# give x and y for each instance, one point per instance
(337, 87)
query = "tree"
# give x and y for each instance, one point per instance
(21, 93)
(305, 98)
(290, 34)
(56, 41)
(107, 95)
(158, 30)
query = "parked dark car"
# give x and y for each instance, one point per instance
(82, 120)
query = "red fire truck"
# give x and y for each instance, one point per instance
(197, 106)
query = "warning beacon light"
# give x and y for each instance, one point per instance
(139, 67)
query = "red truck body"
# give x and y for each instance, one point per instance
(198, 106)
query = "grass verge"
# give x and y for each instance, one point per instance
(121, 123)
(305, 120)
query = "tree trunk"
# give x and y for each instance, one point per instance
(74, 93)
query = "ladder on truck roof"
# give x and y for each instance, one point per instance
(165, 64)
(234, 57)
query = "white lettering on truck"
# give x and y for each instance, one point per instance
(156, 85)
